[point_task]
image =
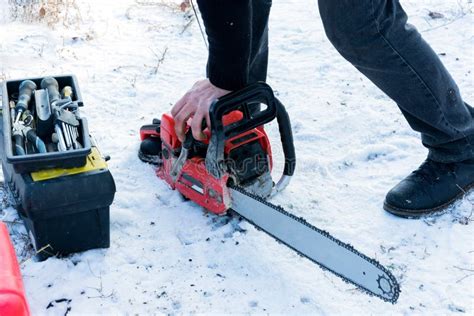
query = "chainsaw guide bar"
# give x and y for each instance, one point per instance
(321, 248)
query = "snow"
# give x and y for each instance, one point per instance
(134, 60)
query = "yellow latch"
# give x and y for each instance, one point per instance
(94, 162)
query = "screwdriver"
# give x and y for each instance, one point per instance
(52, 86)
(26, 90)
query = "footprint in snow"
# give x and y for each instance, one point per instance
(305, 300)
(176, 305)
(217, 222)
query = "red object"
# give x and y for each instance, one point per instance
(12, 293)
(194, 181)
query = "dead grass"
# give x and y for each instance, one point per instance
(50, 12)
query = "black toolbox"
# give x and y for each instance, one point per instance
(64, 209)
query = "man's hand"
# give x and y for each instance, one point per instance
(195, 103)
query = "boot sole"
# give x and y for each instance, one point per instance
(153, 160)
(415, 214)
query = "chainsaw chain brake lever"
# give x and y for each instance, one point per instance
(257, 93)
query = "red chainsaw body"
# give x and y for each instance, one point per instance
(194, 181)
(12, 293)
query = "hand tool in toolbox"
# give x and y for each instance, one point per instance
(65, 115)
(22, 127)
(231, 170)
(49, 103)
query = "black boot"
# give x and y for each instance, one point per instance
(430, 189)
(150, 151)
(150, 147)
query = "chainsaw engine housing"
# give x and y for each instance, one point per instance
(248, 162)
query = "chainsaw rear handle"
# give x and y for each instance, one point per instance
(286, 136)
(258, 93)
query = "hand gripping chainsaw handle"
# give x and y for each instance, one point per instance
(252, 95)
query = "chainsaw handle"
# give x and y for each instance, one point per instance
(286, 136)
(241, 100)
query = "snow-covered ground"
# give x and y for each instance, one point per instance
(134, 59)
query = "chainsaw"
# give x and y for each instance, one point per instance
(231, 171)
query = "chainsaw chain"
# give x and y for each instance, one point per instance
(394, 286)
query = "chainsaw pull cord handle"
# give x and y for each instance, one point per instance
(256, 93)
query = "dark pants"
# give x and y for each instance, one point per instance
(374, 36)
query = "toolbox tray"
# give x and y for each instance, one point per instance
(41, 161)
